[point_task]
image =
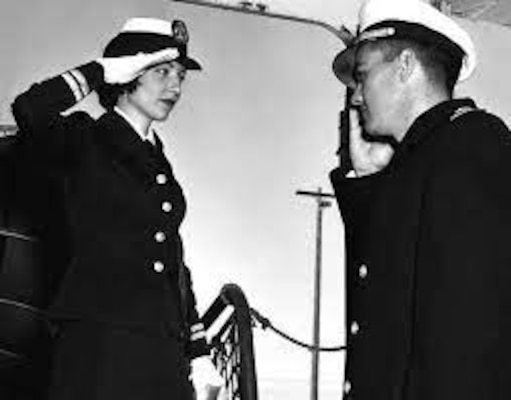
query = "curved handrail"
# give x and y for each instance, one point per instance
(261, 9)
(241, 322)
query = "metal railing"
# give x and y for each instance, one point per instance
(229, 322)
(25, 333)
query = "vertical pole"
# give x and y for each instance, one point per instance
(317, 304)
(321, 204)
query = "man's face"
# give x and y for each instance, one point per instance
(376, 94)
(158, 90)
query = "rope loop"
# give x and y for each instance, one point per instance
(265, 323)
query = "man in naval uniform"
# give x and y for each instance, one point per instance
(427, 215)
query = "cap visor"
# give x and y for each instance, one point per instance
(344, 65)
(189, 63)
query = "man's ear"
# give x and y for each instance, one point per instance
(407, 64)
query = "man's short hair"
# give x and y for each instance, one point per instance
(442, 67)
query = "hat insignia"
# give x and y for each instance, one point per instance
(376, 34)
(180, 32)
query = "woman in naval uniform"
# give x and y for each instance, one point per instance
(125, 306)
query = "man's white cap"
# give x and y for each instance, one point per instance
(412, 19)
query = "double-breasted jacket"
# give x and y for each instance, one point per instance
(122, 211)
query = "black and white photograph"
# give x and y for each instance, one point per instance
(255, 200)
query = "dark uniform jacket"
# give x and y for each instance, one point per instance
(428, 247)
(122, 207)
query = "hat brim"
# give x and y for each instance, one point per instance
(420, 19)
(131, 43)
(344, 63)
(189, 63)
(343, 66)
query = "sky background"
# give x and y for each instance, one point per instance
(259, 123)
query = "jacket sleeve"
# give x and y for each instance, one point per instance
(354, 197)
(39, 111)
(462, 297)
(197, 344)
(353, 194)
(42, 104)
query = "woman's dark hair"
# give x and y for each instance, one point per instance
(109, 94)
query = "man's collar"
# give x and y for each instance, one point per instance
(437, 115)
(428, 123)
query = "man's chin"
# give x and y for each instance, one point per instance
(369, 129)
(376, 136)
(371, 133)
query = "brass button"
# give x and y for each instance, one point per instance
(354, 328)
(347, 387)
(160, 236)
(161, 179)
(166, 206)
(363, 271)
(158, 266)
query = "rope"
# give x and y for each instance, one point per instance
(265, 323)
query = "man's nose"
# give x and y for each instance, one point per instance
(356, 97)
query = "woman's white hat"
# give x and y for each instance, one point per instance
(149, 35)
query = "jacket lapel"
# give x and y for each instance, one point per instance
(125, 148)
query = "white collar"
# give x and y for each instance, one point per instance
(150, 135)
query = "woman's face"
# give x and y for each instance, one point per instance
(158, 90)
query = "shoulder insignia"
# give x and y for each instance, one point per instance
(461, 111)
